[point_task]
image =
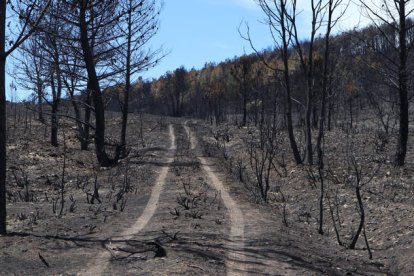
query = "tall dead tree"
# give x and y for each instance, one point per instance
(75, 83)
(240, 71)
(278, 15)
(307, 61)
(330, 7)
(394, 15)
(52, 46)
(95, 35)
(29, 71)
(138, 25)
(30, 13)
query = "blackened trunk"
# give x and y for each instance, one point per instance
(321, 197)
(54, 122)
(93, 82)
(403, 130)
(308, 132)
(361, 216)
(351, 115)
(54, 128)
(125, 106)
(244, 108)
(125, 117)
(80, 126)
(330, 107)
(3, 214)
(3, 141)
(402, 90)
(87, 119)
(325, 79)
(40, 107)
(262, 113)
(315, 117)
(286, 76)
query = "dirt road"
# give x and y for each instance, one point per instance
(235, 257)
(184, 213)
(99, 265)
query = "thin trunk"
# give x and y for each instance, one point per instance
(402, 90)
(3, 141)
(308, 131)
(286, 73)
(244, 107)
(310, 83)
(351, 115)
(361, 214)
(54, 128)
(321, 198)
(325, 80)
(54, 119)
(308, 69)
(80, 126)
(78, 117)
(125, 111)
(262, 113)
(330, 105)
(40, 106)
(315, 117)
(87, 119)
(125, 106)
(93, 81)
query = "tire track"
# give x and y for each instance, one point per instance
(235, 262)
(101, 261)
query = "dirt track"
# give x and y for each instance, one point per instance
(98, 266)
(235, 261)
(189, 208)
(235, 257)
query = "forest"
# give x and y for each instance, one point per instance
(296, 159)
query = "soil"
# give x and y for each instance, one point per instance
(184, 202)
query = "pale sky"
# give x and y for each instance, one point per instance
(198, 31)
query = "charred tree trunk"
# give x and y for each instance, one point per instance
(244, 107)
(325, 80)
(315, 117)
(54, 118)
(54, 127)
(361, 215)
(402, 89)
(83, 136)
(125, 110)
(308, 130)
(330, 109)
(3, 141)
(95, 89)
(40, 106)
(87, 119)
(286, 76)
(125, 106)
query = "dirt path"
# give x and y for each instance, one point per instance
(250, 249)
(99, 265)
(235, 257)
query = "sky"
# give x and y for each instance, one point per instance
(194, 32)
(198, 31)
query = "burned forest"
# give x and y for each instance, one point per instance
(292, 159)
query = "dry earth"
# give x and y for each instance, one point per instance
(176, 205)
